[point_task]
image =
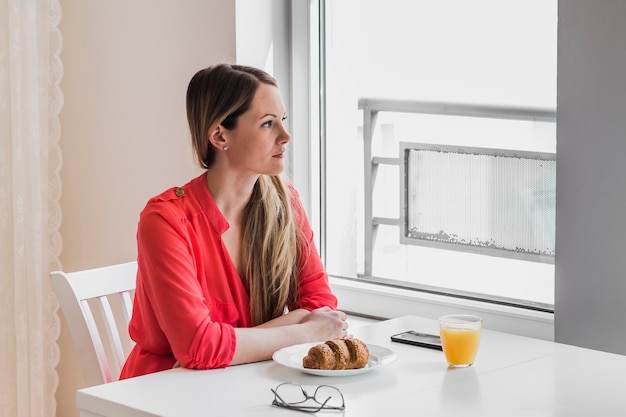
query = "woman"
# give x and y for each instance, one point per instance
(228, 271)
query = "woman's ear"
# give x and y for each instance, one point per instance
(216, 137)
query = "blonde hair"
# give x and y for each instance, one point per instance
(270, 249)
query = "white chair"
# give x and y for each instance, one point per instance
(107, 286)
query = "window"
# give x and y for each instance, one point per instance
(430, 55)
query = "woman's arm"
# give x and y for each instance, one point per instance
(260, 342)
(292, 317)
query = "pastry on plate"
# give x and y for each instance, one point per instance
(337, 354)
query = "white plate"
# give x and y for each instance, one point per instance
(292, 357)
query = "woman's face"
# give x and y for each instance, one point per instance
(257, 143)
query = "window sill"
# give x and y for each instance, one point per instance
(372, 300)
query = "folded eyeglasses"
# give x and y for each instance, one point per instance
(292, 395)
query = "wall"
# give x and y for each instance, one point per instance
(591, 178)
(124, 134)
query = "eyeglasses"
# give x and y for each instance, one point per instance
(291, 395)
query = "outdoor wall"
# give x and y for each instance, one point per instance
(124, 133)
(591, 175)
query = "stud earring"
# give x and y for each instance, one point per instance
(225, 148)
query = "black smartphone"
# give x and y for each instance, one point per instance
(412, 337)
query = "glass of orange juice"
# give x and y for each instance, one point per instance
(460, 337)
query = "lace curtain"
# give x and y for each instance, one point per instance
(30, 214)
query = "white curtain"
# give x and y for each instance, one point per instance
(30, 214)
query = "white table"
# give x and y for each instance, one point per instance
(512, 376)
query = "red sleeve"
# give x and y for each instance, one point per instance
(314, 289)
(172, 314)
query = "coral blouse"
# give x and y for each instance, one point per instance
(189, 296)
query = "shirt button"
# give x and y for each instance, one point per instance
(180, 191)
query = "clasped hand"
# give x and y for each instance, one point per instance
(328, 323)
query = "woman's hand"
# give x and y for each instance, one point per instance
(326, 323)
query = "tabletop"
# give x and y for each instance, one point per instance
(512, 375)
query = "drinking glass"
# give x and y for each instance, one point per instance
(460, 337)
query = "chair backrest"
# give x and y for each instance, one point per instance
(78, 292)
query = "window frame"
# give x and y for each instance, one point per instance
(357, 296)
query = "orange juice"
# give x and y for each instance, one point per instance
(460, 337)
(460, 345)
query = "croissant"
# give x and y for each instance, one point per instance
(337, 354)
